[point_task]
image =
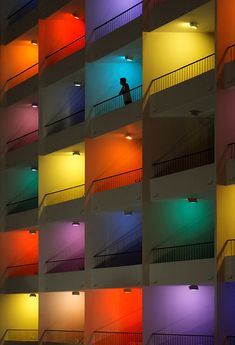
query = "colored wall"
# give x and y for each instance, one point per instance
(60, 170)
(108, 72)
(18, 311)
(113, 310)
(105, 12)
(55, 306)
(181, 49)
(61, 241)
(114, 155)
(176, 309)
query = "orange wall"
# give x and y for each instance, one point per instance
(113, 310)
(113, 155)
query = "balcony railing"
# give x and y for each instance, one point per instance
(114, 338)
(231, 151)
(21, 270)
(64, 51)
(118, 21)
(62, 336)
(65, 122)
(22, 205)
(182, 163)
(22, 76)
(184, 252)
(63, 195)
(127, 250)
(182, 74)
(229, 54)
(22, 11)
(116, 102)
(65, 265)
(26, 335)
(230, 340)
(182, 339)
(23, 140)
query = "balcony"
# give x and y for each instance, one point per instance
(20, 336)
(22, 11)
(22, 205)
(185, 89)
(228, 60)
(65, 265)
(65, 122)
(23, 140)
(227, 257)
(182, 339)
(112, 338)
(184, 175)
(59, 336)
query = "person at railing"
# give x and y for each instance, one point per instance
(125, 91)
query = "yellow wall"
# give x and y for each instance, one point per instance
(181, 48)
(18, 311)
(59, 171)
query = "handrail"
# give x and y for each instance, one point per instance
(111, 176)
(183, 156)
(22, 72)
(23, 136)
(21, 201)
(23, 265)
(62, 48)
(62, 190)
(117, 16)
(109, 99)
(113, 332)
(15, 330)
(64, 260)
(64, 118)
(185, 335)
(40, 342)
(20, 9)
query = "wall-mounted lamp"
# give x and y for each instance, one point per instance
(76, 293)
(34, 42)
(77, 83)
(127, 213)
(76, 153)
(32, 231)
(193, 287)
(193, 200)
(75, 15)
(34, 105)
(128, 137)
(34, 169)
(129, 58)
(75, 224)
(127, 290)
(193, 25)
(32, 294)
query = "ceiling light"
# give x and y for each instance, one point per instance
(34, 169)
(32, 294)
(34, 105)
(75, 15)
(76, 293)
(34, 42)
(128, 213)
(75, 223)
(128, 58)
(193, 200)
(32, 231)
(127, 290)
(77, 83)
(193, 25)
(128, 137)
(193, 287)
(76, 153)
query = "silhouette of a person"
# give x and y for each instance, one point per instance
(125, 91)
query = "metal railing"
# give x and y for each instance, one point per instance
(23, 140)
(231, 151)
(230, 340)
(22, 205)
(193, 251)
(64, 51)
(65, 122)
(63, 195)
(228, 248)
(229, 54)
(19, 335)
(182, 339)
(190, 161)
(116, 102)
(114, 338)
(21, 270)
(182, 74)
(127, 250)
(118, 21)
(62, 336)
(22, 11)
(65, 265)
(22, 76)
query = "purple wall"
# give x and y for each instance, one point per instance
(176, 309)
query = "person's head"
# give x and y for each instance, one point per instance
(122, 81)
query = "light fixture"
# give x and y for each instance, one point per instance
(32, 294)
(75, 223)
(193, 200)
(128, 213)
(34, 169)
(32, 231)
(76, 153)
(75, 15)
(34, 42)
(127, 290)
(77, 83)
(76, 293)
(34, 105)
(128, 137)
(129, 58)
(193, 287)
(193, 25)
